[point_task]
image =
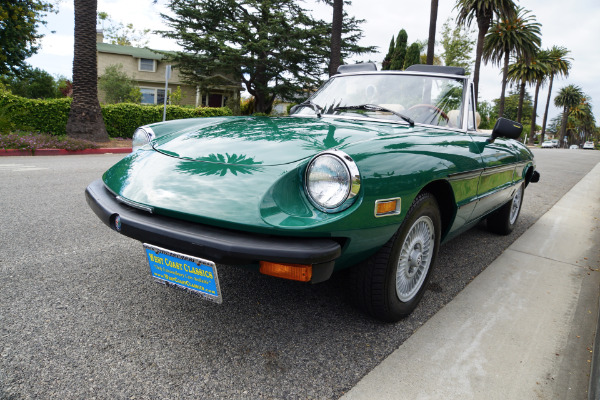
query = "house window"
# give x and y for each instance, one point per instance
(147, 64)
(153, 96)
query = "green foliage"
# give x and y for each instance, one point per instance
(458, 45)
(274, 47)
(120, 34)
(121, 120)
(19, 23)
(118, 87)
(385, 65)
(511, 106)
(399, 55)
(412, 55)
(247, 106)
(176, 96)
(487, 114)
(33, 141)
(33, 83)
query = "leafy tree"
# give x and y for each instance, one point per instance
(397, 62)
(275, 48)
(412, 55)
(567, 98)
(385, 65)
(118, 87)
(85, 118)
(176, 96)
(511, 105)
(486, 112)
(122, 35)
(483, 12)
(458, 45)
(518, 35)
(432, 24)
(559, 64)
(33, 83)
(19, 23)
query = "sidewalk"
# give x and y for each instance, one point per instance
(523, 329)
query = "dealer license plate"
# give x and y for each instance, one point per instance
(187, 272)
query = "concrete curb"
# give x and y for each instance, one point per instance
(594, 389)
(62, 152)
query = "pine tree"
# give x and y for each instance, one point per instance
(399, 51)
(385, 65)
(413, 55)
(273, 47)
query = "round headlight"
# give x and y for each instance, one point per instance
(141, 137)
(332, 181)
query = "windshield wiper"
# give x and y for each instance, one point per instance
(317, 108)
(374, 107)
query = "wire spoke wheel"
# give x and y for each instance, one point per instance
(415, 258)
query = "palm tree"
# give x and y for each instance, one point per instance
(483, 12)
(432, 23)
(85, 118)
(559, 64)
(518, 35)
(520, 73)
(567, 98)
(336, 36)
(540, 73)
(584, 118)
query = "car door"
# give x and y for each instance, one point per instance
(498, 161)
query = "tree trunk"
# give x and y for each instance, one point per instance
(534, 114)
(483, 25)
(85, 118)
(521, 97)
(504, 79)
(336, 36)
(543, 134)
(563, 125)
(432, 23)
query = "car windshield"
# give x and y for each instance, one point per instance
(399, 97)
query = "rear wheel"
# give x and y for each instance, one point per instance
(391, 283)
(503, 220)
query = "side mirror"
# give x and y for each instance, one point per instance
(506, 128)
(293, 109)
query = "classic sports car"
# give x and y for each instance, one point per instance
(373, 172)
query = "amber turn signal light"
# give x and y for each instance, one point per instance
(296, 272)
(387, 207)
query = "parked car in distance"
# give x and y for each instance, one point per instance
(373, 172)
(589, 145)
(547, 144)
(573, 147)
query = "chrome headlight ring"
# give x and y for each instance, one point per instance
(332, 181)
(141, 137)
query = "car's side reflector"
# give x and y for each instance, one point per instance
(296, 272)
(387, 207)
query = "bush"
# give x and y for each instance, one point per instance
(121, 120)
(32, 141)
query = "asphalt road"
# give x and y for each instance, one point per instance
(81, 318)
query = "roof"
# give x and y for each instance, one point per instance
(136, 52)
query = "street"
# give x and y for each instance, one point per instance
(80, 316)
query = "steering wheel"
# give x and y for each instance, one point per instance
(436, 111)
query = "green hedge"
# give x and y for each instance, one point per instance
(121, 120)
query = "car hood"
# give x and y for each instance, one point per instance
(262, 141)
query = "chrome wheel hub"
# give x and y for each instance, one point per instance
(515, 206)
(415, 258)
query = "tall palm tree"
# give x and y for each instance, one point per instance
(518, 35)
(483, 11)
(85, 118)
(567, 98)
(336, 36)
(559, 64)
(432, 23)
(584, 118)
(520, 73)
(540, 73)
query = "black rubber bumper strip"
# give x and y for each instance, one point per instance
(213, 243)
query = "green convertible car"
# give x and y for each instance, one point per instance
(373, 173)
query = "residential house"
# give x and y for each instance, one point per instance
(148, 70)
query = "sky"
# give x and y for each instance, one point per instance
(575, 26)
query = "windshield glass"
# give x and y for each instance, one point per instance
(424, 99)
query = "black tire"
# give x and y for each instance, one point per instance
(503, 220)
(377, 289)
